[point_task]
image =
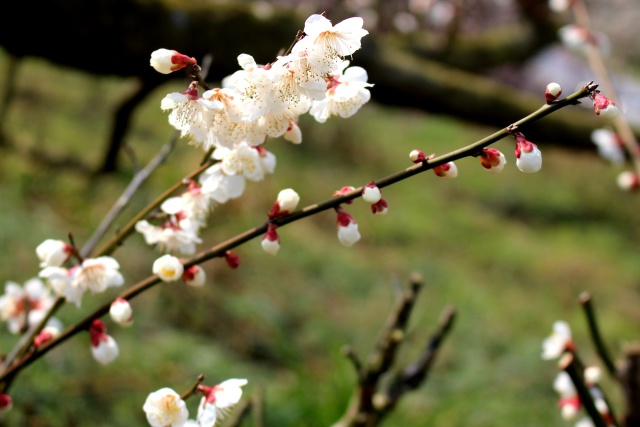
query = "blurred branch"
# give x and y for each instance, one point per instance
(585, 301)
(630, 376)
(567, 364)
(368, 406)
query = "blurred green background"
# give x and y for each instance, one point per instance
(511, 252)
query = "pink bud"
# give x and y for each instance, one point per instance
(417, 156)
(233, 260)
(604, 107)
(492, 160)
(344, 190)
(380, 208)
(6, 403)
(552, 92)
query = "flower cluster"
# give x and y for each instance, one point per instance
(255, 103)
(165, 407)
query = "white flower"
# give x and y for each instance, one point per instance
(592, 375)
(53, 253)
(168, 268)
(193, 203)
(252, 162)
(331, 41)
(164, 407)
(293, 133)
(190, 114)
(94, 274)
(609, 145)
(174, 236)
(560, 340)
(345, 94)
(22, 307)
(121, 312)
(218, 400)
(219, 186)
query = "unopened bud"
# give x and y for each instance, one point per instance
(271, 240)
(552, 92)
(194, 276)
(121, 312)
(166, 61)
(629, 181)
(604, 107)
(371, 193)
(448, 170)
(233, 260)
(417, 156)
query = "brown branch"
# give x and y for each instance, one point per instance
(630, 377)
(567, 364)
(596, 337)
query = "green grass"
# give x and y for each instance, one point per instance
(511, 252)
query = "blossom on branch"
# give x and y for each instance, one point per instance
(569, 402)
(604, 107)
(218, 400)
(286, 202)
(168, 268)
(24, 306)
(53, 253)
(528, 156)
(448, 170)
(103, 347)
(166, 61)
(552, 92)
(629, 181)
(558, 342)
(94, 274)
(121, 312)
(492, 160)
(271, 241)
(194, 276)
(348, 233)
(164, 408)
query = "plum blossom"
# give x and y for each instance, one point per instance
(552, 92)
(53, 253)
(164, 408)
(569, 402)
(94, 274)
(604, 107)
(252, 162)
(609, 145)
(24, 306)
(177, 235)
(219, 186)
(193, 203)
(218, 400)
(168, 268)
(346, 93)
(558, 342)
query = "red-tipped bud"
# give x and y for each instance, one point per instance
(448, 170)
(552, 92)
(380, 208)
(286, 203)
(348, 233)
(6, 403)
(233, 260)
(371, 193)
(271, 240)
(629, 181)
(492, 160)
(166, 61)
(194, 276)
(528, 156)
(344, 190)
(604, 107)
(417, 156)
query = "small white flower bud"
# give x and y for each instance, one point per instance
(592, 375)
(417, 156)
(371, 193)
(448, 170)
(168, 268)
(53, 253)
(288, 200)
(628, 181)
(194, 276)
(121, 312)
(293, 133)
(106, 351)
(552, 92)
(166, 61)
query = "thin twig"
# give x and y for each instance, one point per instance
(193, 387)
(128, 193)
(596, 337)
